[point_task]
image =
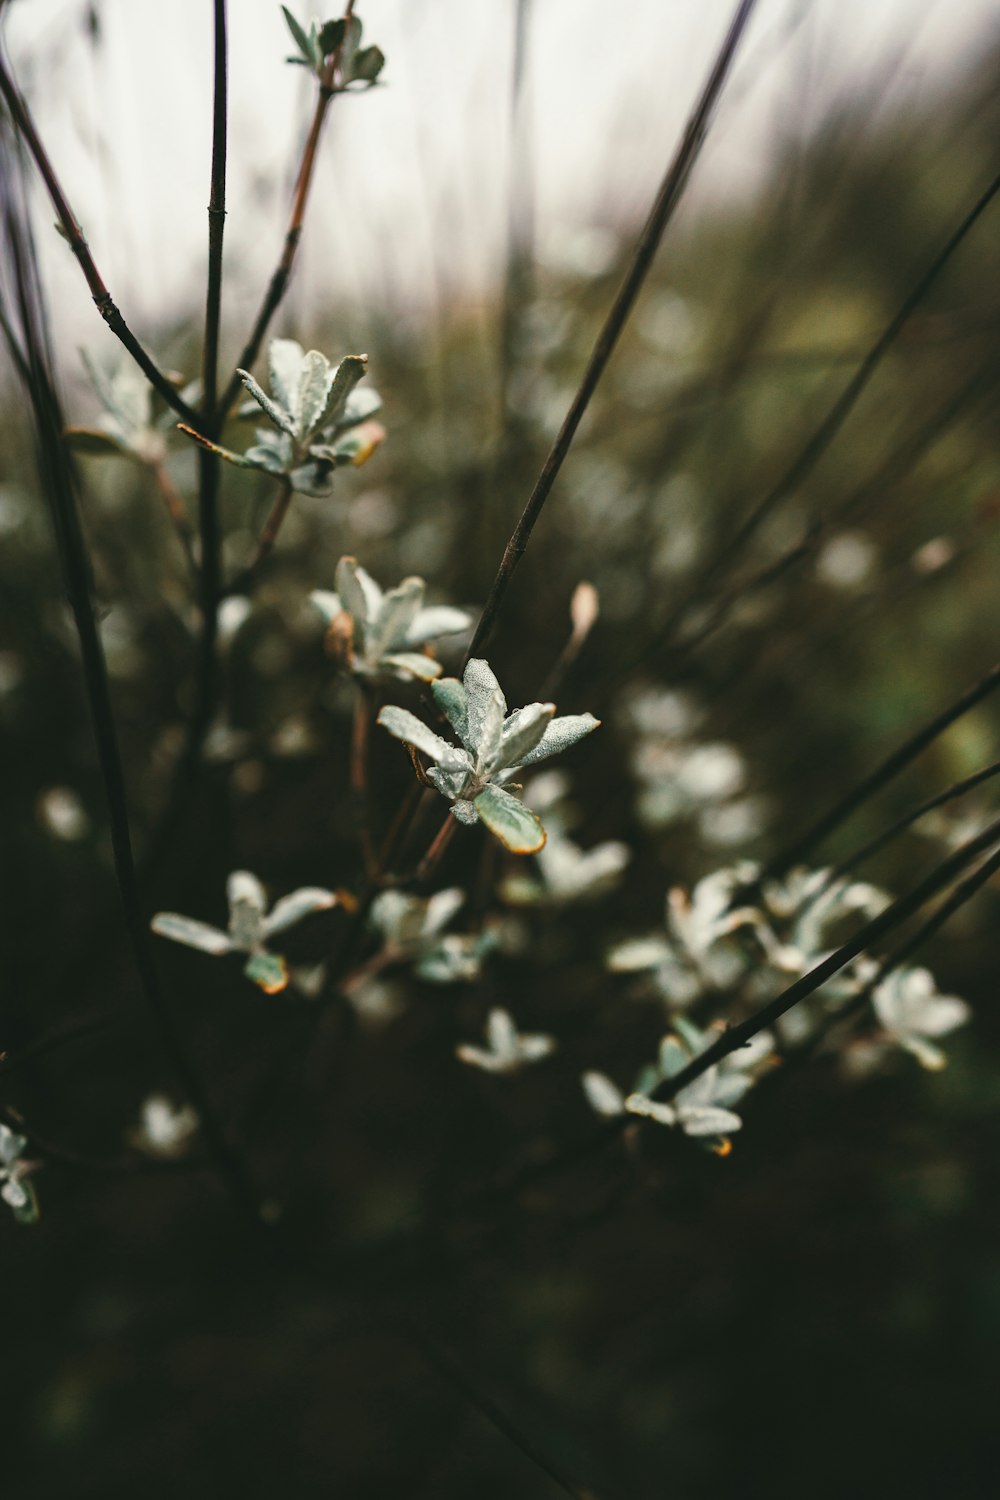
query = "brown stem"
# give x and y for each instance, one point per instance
(300, 197)
(360, 736)
(175, 510)
(267, 538)
(440, 842)
(78, 244)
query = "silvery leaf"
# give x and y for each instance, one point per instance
(284, 361)
(277, 414)
(636, 955)
(388, 630)
(412, 731)
(522, 731)
(700, 1121)
(604, 1097)
(560, 735)
(452, 699)
(170, 924)
(411, 664)
(487, 709)
(11, 1145)
(640, 1104)
(301, 903)
(315, 380)
(359, 594)
(342, 401)
(359, 406)
(328, 603)
(439, 620)
(465, 812)
(440, 909)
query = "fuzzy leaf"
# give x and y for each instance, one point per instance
(302, 903)
(315, 380)
(604, 1097)
(193, 934)
(487, 710)
(359, 594)
(284, 361)
(399, 609)
(522, 732)
(281, 418)
(453, 701)
(510, 821)
(412, 731)
(412, 664)
(351, 369)
(328, 603)
(440, 909)
(560, 735)
(438, 620)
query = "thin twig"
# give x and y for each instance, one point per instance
(859, 856)
(216, 215)
(810, 455)
(893, 916)
(665, 203)
(279, 281)
(360, 737)
(267, 538)
(78, 244)
(175, 510)
(962, 893)
(898, 463)
(897, 761)
(448, 1367)
(436, 850)
(59, 482)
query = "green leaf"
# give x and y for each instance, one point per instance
(299, 36)
(510, 821)
(367, 65)
(267, 970)
(349, 46)
(331, 34)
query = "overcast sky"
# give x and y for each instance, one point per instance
(411, 190)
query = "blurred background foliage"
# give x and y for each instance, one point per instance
(819, 1312)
